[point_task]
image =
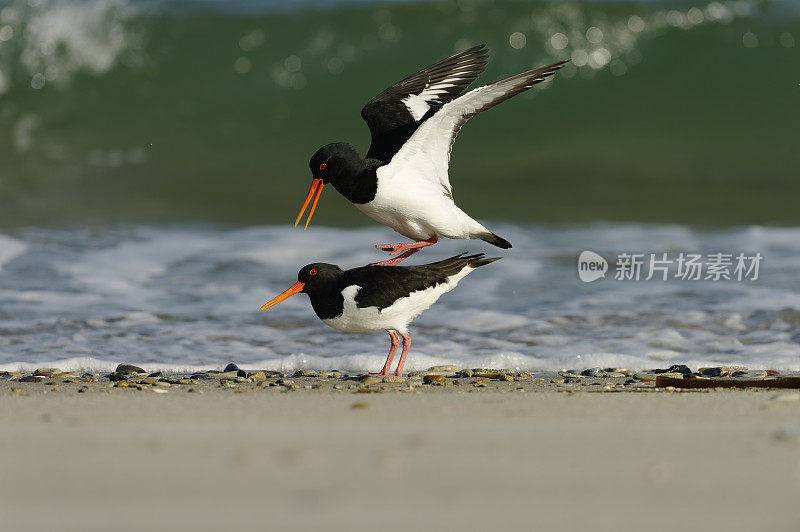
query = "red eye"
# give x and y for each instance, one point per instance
(313, 271)
(323, 166)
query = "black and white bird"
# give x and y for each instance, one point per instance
(375, 298)
(403, 181)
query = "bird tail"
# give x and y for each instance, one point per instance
(458, 262)
(495, 240)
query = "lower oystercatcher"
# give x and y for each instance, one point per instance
(403, 181)
(375, 298)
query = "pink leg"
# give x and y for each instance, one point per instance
(403, 246)
(408, 249)
(403, 354)
(392, 349)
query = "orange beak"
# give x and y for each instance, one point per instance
(292, 290)
(316, 185)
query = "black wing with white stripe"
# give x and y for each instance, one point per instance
(394, 114)
(381, 286)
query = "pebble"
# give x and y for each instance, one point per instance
(49, 370)
(230, 367)
(447, 368)
(199, 376)
(523, 375)
(614, 374)
(464, 373)
(430, 379)
(161, 390)
(156, 374)
(556, 381)
(506, 377)
(721, 370)
(592, 372)
(162, 383)
(370, 380)
(751, 374)
(227, 375)
(644, 377)
(673, 375)
(360, 406)
(305, 373)
(224, 383)
(569, 374)
(30, 378)
(128, 369)
(88, 378)
(258, 376)
(394, 379)
(676, 368)
(117, 377)
(284, 382)
(489, 373)
(41, 373)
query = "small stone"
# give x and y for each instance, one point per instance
(360, 406)
(156, 374)
(305, 373)
(464, 373)
(128, 369)
(162, 383)
(258, 376)
(557, 381)
(88, 378)
(30, 378)
(430, 379)
(646, 377)
(614, 374)
(523, 375)
(446, 369)
(117, 377)
(570, 374)
(224, 383)
(370, 380)
(676, 368)
(227, 375)
(672, 375)
(490, 373)
(198, 376)
(284, 382)
(161, 390)
(721, 370)
(592, 372)
(394, 379)
(122, 384)
(51, 383)
(506, 377)
(230, 367)
(41, 373)
(480, 382)
(752, 374)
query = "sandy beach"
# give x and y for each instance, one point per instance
(527, 454)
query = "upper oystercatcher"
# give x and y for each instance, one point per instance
(374, 298)
(403, 181)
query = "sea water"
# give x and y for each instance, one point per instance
(182, 298)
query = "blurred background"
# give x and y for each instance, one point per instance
(169, 111)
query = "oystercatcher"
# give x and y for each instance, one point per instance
(403, 181)
(374, 298)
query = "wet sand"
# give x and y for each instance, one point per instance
(523, 455)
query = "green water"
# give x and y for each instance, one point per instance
(701, 127)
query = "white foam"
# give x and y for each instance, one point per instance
(10, 248)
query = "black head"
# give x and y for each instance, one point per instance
(335, 163)
(312, 278)
(318, 276)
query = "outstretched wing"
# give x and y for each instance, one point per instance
(394, 114)
(429, 147)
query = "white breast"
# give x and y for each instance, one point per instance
(416, 207)
(395, 317)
